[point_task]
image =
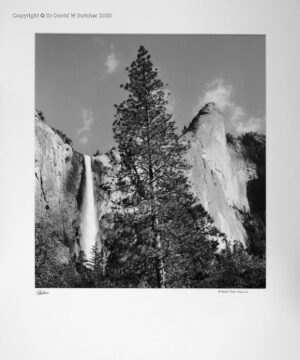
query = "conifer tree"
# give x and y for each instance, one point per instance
(151, 163)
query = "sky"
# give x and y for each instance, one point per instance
(78, 77)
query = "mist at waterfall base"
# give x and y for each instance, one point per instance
(88, 220)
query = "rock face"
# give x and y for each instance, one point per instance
(58, 173)
(219, 173)
(105, 195)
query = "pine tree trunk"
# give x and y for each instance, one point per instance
(160, 267)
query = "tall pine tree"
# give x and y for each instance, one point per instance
(150, 177)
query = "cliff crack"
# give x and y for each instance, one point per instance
(42, 188)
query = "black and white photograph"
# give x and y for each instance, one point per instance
(150, 161)
(149, 180)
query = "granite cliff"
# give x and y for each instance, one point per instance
(219, 172)
(58, 176)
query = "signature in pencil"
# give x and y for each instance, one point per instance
(42, 292)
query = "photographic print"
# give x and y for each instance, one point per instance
(150, 161)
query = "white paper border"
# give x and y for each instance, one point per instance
(150, 324)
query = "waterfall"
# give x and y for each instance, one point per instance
(89, 222)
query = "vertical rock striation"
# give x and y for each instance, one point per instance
(219, 173)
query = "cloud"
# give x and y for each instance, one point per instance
(237, 120)
(83, 140)
(220, 93)
(252, 124)
(171, 100)
(87, 122)
(98, 41)
(171, 105)
(112, 63)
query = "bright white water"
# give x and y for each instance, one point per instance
(89, 223)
